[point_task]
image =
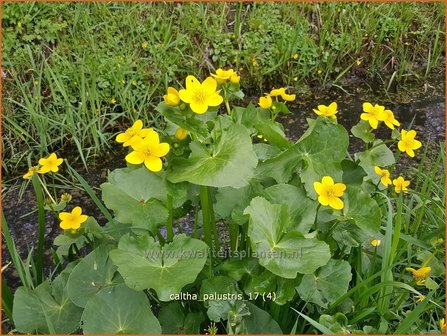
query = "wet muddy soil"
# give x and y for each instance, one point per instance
(424, 112)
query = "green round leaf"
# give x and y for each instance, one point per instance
(93, 273)
(228, 162)
(327, 284)
(119, 310)
(143, 263)
(282, 252)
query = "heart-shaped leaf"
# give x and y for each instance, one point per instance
(327, 285)
(228, 162)
(143, 263)
(119, 310)
(283, 252)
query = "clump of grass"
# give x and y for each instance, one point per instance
(75, 73)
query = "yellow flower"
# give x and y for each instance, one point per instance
(375, 242)
(329, 193)
(200, 96)
(295, 56)
(66, 197)
(172, 97)
(277, 92)
(31, 172)
(133, 134)
(51, 163)
(358, 62)
(421, 273)
(442, 324)
(373, 114)
(113, 101)
(389, 119)
(181, 134)
(144, 45)
(408, 143)
(235, 78)
(148, 151)
(327, 111)
(133, 82)
(254, 62)
(282, 92)
(72, 220)
(265, 102)
(419, 298)
(384, 176)
(222, 75)
(400, 184)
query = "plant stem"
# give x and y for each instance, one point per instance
(234, 233)
(41, 221)
(169, 223)
(316, 214)
(213, 221)
(204, 200)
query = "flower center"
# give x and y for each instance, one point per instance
(131, 132)
(408, 143)
(199, 97)
(330, 193)
(148, 153)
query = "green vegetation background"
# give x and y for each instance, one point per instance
(76, 73)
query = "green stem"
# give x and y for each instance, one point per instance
(213, 221)
(397, 228)
(42, 184)
(204, 200)
(196, 220)
(234, 233)
(227, 105)
(41, 221)
(316, 214)
(169, 223)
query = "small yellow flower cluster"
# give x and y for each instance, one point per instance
(375, 114)
(329, 193)
(46, 165)
(420, 274)
(266, 101)
(222, 76)
(400, 184)
(146, 146)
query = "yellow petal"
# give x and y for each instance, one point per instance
(82, 218)
(137, 125)
(122, 137)
(185, 96)
(378, 170)
(365, 116)
(77, 211)
(152, 137)
(209, 85)
(64, 216)
(367, 107)
(161, 149)
(373, 122)
(153, 164)
(417, 144)
(411, 134)
(410, 152)
(191, 83)
(214, 100)
(333, 107)
(324, 200)
(327, 181)
(135, 157)
(65, 225)
(318, 188)
(339, 188)
(336, 203)
(198, 108)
